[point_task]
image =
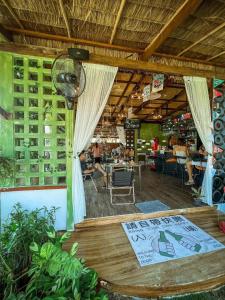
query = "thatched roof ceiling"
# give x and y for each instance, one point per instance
(128, 23)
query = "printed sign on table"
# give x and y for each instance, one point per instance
(167, 238)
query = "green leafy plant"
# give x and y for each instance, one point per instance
(197, 193)
(34, 266)
(6, 169)
(17, 234)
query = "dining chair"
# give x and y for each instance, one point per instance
(122, 180)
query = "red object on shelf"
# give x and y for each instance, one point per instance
(155, 144)
(222, 226)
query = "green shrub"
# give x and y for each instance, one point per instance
(17, 234)
(33, 265)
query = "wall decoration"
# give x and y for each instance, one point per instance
(146, 93)
(157, 82)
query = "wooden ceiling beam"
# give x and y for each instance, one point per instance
(122, 4)
(202, 39)
(12, 13)
(117, 62)
(179, 108)
(215, 56)
(186, 59)
(188, 7)
(6, 34)
(123, 93)
(53, 37)
(165, 105)
(65, 17)
(61, 38)
(156, 67)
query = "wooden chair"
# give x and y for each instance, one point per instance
(122, 180)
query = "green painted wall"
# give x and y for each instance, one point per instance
(6, 102)
(39, 136)
(39, 132)
(148, 131)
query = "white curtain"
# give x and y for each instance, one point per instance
(121, 134)
(99, 81)
(198, 98)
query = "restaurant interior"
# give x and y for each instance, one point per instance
(112, 149)
(152, 135)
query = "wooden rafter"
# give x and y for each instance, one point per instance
(118, 62)
(122, 4)
(123, 93)
(179, 108)
(65, 17)
(215, 56)
(12, 13)
(61, 38)
(137, 84)
(202, 39)
(188, 7)
(165, 105)
(53, 37)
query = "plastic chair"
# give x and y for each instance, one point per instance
(122, 180)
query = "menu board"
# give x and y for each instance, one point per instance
(168, 238)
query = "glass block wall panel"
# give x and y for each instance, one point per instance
(39, 124)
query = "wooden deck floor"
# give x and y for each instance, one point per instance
(167, 189)
(105, 247)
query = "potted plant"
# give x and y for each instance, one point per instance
(197, 195)
(6, 171)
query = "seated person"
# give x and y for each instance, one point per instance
(180, 147)
(97, 170)
(180, 150)
(199, 164)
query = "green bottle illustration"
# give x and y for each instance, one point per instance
(165, 247)
(186, 242)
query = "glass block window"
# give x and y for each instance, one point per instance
(40, 122)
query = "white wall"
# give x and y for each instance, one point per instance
(36, 199)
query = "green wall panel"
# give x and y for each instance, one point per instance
(148, 131)
(6, 126)
(37, 136)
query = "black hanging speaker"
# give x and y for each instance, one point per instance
(78, 54)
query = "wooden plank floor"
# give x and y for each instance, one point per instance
(165, 188)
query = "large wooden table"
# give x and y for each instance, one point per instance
(104, 245)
